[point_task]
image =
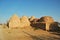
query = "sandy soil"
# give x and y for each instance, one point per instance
(26, 34)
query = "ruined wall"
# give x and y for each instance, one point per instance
(54, 26)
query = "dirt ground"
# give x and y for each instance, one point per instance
(26, 34)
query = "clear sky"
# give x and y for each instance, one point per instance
(37, 8)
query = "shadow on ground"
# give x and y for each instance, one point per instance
(41, 37)
(33, 36)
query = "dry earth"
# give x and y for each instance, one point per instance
(27, 33)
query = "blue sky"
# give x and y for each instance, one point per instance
(37, 8)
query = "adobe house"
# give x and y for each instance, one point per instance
(45, 23)
(16, 22)
(50, 24)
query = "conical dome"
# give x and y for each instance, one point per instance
(25, 21)
(24, 18)
(14, 21)
(32, 18)
(14, 17)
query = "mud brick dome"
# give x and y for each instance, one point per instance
(14, 21)
(25, 21)
(46, 19)
(32, 18)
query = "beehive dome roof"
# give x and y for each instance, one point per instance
(46, 19)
